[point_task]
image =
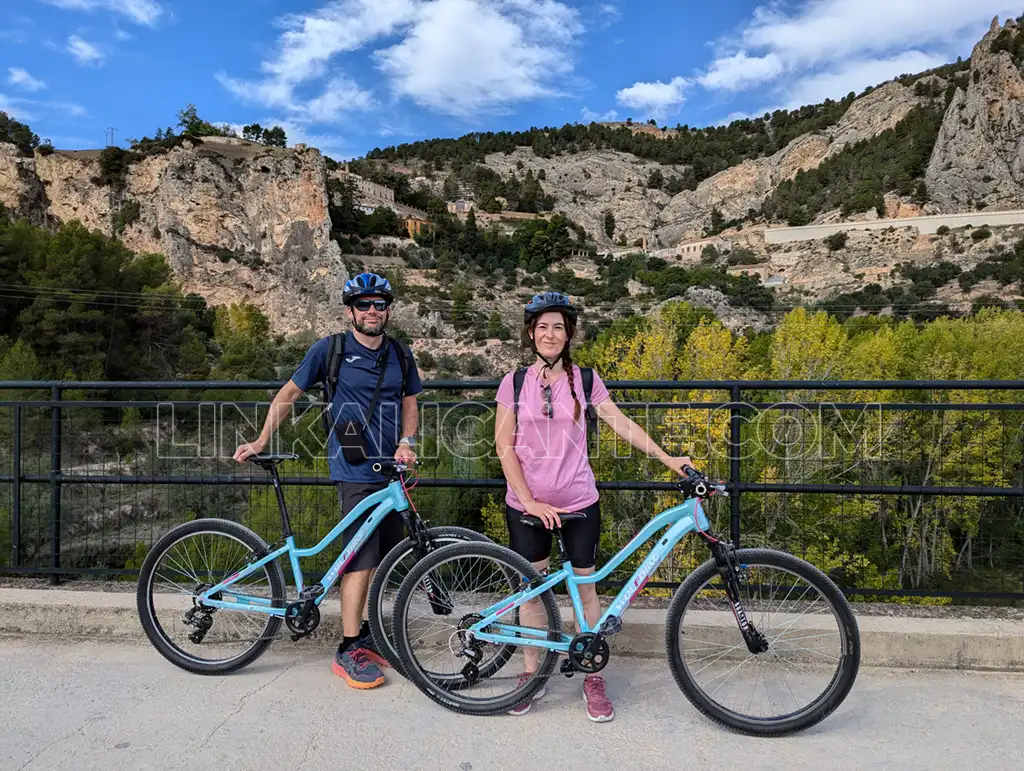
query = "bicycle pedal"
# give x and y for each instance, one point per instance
(567, 668)
(311, 592)
(612, 625)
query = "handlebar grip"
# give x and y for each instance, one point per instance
(692, 473)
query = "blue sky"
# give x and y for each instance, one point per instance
(351, 75)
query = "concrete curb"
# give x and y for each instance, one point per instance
(886, 641)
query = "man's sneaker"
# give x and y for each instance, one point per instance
(524, 706)
(599, 706)
(370, 649)
(357, 668)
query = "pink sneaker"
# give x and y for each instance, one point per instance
(524, 706)
(599, 706)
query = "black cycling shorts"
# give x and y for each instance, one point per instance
(389, 532)
(534, 541)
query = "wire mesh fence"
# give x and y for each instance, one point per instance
(910, 491)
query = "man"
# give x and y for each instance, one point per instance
(368, 298)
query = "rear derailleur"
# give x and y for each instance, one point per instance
(200, 616)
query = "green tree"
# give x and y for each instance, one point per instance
(609, 223)
(17, 134)
(655, 179)
(275, 137)
(192, 125)
(451, 188)
(461, 308)
(253, 132)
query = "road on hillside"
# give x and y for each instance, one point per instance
(84, 706)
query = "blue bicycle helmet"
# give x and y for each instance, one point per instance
(367, 285)
(549, 301)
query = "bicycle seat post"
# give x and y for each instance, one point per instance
(271, 466)
(563, 557)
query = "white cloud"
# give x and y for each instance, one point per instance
(13, 107)
(589, 116)
(856, 76)
(140, 11)
(656, 99)
(827, 47)
(505, 52)
(739, 71)
(84, 52)
(26, 109)
(18, 76)
(611, 12)
(454, 56)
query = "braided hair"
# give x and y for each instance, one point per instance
(567, 365)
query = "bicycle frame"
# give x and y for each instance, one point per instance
(386, 500)
(680, 520)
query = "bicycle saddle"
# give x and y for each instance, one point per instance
(271, 458)
(569, 516)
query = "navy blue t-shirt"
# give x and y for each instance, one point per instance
(357, 379)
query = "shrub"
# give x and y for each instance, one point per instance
(981, 234)
(475, 366)
(837, 241)
(942, 230)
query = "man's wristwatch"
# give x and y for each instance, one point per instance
(409, 440)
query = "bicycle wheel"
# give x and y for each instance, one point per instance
(189, 559)
(813, 654)
(472, 576)
(389, 577)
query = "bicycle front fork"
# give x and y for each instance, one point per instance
(733, 576)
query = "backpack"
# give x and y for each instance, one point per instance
(587, 375)
(336, 355)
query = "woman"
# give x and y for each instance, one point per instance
(548, 471)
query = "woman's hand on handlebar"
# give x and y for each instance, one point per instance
(679, 465)
(545, 513)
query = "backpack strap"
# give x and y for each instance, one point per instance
(404, 354)
(335, 353)
(587, 375)
(517, 387)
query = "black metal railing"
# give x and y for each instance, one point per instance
(934, 508)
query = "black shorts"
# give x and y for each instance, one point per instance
(389, 532)
(534, 542)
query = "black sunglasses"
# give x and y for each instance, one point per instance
(365, 305)
(549, 410)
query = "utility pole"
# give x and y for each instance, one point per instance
(111, 129)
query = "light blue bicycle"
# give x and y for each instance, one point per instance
(211, 595)
(745, 614)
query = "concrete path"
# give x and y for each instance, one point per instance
(82, 706)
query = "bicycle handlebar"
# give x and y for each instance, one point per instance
(390, 468)
(697, 483)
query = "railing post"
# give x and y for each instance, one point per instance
(55, 451)
(16, 523)
(735, 397)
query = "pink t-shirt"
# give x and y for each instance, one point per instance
(553, 451)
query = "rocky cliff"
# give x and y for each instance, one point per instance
(587, 184)
(237, 221)
(978, 159)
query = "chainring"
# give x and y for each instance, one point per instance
(591, 662)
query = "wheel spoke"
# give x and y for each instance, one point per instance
(806, 643)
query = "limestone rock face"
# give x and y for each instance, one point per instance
(237, 221)
(979, 155)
